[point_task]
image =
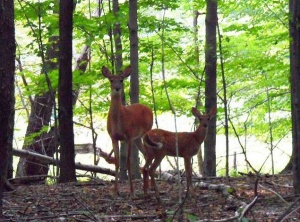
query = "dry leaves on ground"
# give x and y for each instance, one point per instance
(215, 199)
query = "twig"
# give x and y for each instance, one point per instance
(127, 216)
(248, 208)
(243, 148)
(222, 220)
(181, 205)
(277, 194)
(93, 217)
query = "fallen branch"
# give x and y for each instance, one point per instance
(50, 160)
(124, 217)
(247, 208)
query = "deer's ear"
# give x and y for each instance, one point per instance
(213, 111)
(105, 72)
(126, 72)
(195, 112)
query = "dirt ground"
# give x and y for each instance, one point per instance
(269, 198)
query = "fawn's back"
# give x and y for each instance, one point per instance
(165, 143)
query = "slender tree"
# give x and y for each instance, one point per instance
(134, 78)
(7, 78)
(197, 59)
(210, 85)
(225, 102)
(294, 7)
(66, 134)
(118, 61)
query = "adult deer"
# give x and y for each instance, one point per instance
(159, 143)
(125, 123)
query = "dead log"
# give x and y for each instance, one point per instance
(50, 160)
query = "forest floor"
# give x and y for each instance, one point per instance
(247, 198)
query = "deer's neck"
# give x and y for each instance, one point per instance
(200, 133)
(116, 107)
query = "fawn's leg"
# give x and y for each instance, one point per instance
(188, 171)
(152, 169)
(145, 181)
(149, 159)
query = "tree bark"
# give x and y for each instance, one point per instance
(65, 93)
(294, 7)
(210, 86)
(7, 99)
(134, 79)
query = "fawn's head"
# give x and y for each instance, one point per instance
(116, 81)
(204, 118)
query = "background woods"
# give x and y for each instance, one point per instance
(251, 81)
(254, 62)
(239, 56)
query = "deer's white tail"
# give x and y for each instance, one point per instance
(150, 143)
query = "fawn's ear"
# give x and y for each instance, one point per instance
(213, 111)
(126, 72)
(105, 72)
(195, 112)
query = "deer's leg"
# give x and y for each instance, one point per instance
(129, 143)
(188, 171)
(115, 144)
(139, 145)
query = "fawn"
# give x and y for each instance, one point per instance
(125, 123)
(158, 143)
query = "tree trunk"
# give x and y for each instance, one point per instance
(210, 86)
(7, 99)
(65, 115)
(294, 7)
(134, 79)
